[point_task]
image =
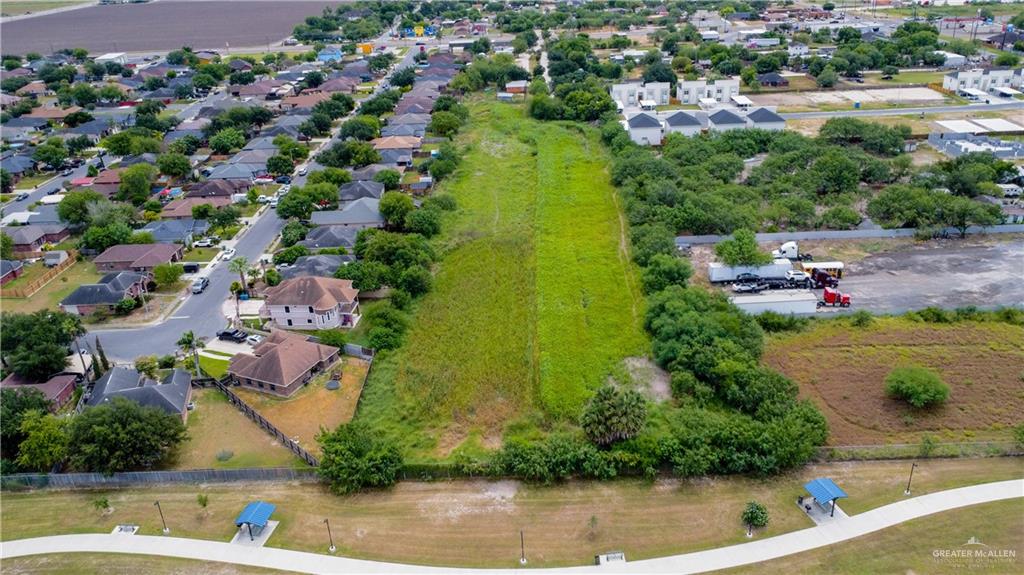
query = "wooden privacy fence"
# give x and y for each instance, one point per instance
(37, 284)
(270, 428)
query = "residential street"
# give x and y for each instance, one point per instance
(828, 533)
(1015, 105)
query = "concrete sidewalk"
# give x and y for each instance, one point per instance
(698, 562)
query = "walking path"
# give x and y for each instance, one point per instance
(698, 562)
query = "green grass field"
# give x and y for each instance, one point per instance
(535, 301)
(212, 366)
(57, 289)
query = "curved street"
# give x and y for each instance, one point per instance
(697, 562)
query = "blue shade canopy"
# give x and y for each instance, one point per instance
(824, 490)
(256, 513)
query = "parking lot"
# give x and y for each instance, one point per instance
(948, 277)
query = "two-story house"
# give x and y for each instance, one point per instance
(311, 302)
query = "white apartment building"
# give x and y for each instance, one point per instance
(721, 90)
(631, 94)
(982, 80)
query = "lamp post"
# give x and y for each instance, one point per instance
(522, 548)
(330, 537)
(911, 478)
(160, 509)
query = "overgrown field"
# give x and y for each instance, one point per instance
(842, 368)
(535, 301)
(477, 523)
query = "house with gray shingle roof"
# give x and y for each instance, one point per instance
(170, 394)
(105, 294)
(724, 120)
(362, 213)
(682, 123)
(765, 119)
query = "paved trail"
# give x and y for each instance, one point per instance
(698, 562)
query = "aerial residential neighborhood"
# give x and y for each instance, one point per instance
(608, 286)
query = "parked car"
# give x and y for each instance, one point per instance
(283, 180)
(235, 335)
(747, 278)
(227, 254)
(67, 172)
(284, 189)
(262, 199)
(264, 180)
(254, 339)
(200, 284)
(303, 171)
(273, 203)
(752, 287)
(203, 243)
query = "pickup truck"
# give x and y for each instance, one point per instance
(235, 335)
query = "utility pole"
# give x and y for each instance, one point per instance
(160, 509)
(911, 478)
(522, 548)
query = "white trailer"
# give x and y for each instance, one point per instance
(719, 272)
(785, 302)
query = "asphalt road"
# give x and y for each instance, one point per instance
(201, 313)
(1013, 105)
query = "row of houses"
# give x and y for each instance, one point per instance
(651, 128)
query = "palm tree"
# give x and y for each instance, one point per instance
(239, 265)
(190, 343)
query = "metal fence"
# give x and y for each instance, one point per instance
(270, 428)
(85, 480)
(848, 234)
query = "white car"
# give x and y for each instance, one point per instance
(262, 199)
(273, 203)
(254, 339)
(303, 171)
(227, 254)
(203, 243)
(264, 180)
(284, 189)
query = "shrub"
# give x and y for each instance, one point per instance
(355, 458)
(613, 415)
(755, 515)
(166, 361)
(861, 318)
(203, 500)
(333, 337)
(773, 322)
(917, 386)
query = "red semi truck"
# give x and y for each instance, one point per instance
(832, 297)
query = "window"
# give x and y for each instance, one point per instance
(273, 387)
(287, 309)
(309, 321)
(261, 384)
(289, 322)
(310, 309)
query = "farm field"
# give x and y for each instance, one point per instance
(117, 564)
(534, 302)
(165, 25)
(842, 369)
(216, 428)
(907, 548)
(313, 407)
(476, 523)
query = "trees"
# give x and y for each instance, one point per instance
(612, 415)
(136, 183)
(6, 182)
(355, 458)
(45, 443)
(121, 436)
(167, 274)
(174, 164)
(663, 270)
(35, 345)
(836, 173)
(52, 153)
(333, 176)
(147, 365)
(226, 140)
(15, 405)
(362, 127)
(6, 246)
(445, 124)
(100, 238)
(292, 233)
(961, 213)
(827, 78)
(390, 178)
(649, 240)
(394, 206)
(349, 153)
(918, 386)
(404, 77)
(289, 255)
(414, 280)
(741, 250)
(755, 515)
(426, 222)
(239, 265)
(189, 343)
(278, 165)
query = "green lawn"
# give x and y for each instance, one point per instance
(52, 293)
(913, 77)
(107, 564)
(201, 254)
(535, 302)
(29, 273)
(212, 366)
(31, 182)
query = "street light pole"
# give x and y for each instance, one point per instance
(522, 548)
(330, 537)
(911, 478)
(160, 509)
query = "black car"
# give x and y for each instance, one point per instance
(747, 278)
(235, 335)
(776, 283)
(283, 180)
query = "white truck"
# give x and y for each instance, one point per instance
(791, 251)
(721, 273)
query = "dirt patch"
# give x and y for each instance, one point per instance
(484, 498)
(842, 370)
(655, 382)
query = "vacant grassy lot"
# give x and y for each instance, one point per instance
(52, 293)
(314, 407)
(477, 523)
(843, 368)
(907, 548)
(116, 564)
(31, 182)
(216, 427)
(534, 302)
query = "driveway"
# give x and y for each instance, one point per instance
(982, 276)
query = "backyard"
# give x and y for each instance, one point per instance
(221, 437)
(52, 293)
(535, 301)
(477, 522)
(842, 369)
(314, 407)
